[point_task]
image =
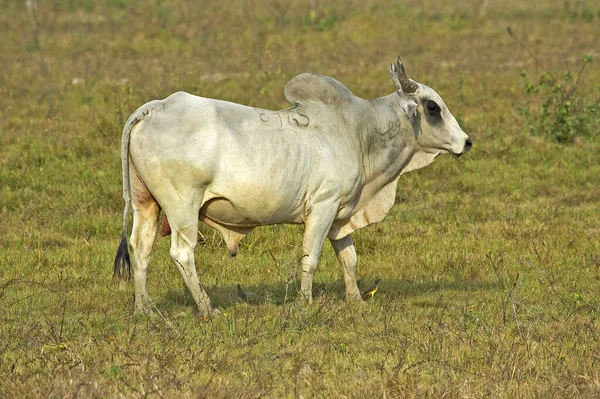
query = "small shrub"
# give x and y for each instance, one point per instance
(565, 111)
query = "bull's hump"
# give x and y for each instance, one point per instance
(308, 88)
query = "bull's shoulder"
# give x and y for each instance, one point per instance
(309, 88)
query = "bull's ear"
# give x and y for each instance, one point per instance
(411, 111)
(413, 116)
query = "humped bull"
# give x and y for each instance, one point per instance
(331, 161)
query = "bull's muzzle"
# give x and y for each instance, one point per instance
(468, 145)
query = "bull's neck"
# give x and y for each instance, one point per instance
(387, 141)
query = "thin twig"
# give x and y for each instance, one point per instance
(510, 32)
(584, 64)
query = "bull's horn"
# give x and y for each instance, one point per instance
(400, 78)
(394, 73)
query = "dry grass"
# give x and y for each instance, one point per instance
(490, 265)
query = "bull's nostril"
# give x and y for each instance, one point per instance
(468, 144)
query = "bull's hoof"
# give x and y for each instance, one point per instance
(306, 297)
(143, 306)
(354, 297)
(208, 313)
(300, 301)
(144, 311)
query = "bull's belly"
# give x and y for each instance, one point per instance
(257, 212)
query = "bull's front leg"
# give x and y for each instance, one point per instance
(317, 226)
(346, 256)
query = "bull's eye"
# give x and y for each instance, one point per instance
(432, 107)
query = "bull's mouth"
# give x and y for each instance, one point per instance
(465, 149)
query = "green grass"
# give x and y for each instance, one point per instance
(490, 265)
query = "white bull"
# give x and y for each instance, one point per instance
(331, 161)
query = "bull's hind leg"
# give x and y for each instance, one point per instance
(143, 233)
(184, 237)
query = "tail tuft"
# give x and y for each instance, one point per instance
(122, 270)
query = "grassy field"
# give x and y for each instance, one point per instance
(490, 265)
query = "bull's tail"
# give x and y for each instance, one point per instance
(122, 268)
(122, 265)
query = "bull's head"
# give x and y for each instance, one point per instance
(436, 130)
